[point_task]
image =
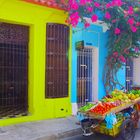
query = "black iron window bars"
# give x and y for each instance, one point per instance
(57, 60)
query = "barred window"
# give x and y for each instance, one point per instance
(129, 74)
(136, 72)
(57, 60)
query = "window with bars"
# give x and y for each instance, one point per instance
(136, 72)
(13, 69)
(57, 60)
(132, 73)
(129, 74)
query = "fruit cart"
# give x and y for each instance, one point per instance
(126, 116)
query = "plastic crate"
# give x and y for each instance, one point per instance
(111, 132)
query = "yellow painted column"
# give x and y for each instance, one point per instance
(39, 59)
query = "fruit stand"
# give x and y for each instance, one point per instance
(116, 114)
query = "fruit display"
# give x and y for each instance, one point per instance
(117, 96)
(112, 102)
(120, 95)
(87, 107)
(133, 94)
(112, 113)
(102, 108)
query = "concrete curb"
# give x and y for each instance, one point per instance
(62, 135)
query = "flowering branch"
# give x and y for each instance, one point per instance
(123, 17)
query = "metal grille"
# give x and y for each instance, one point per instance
(84, 76)
(13, 69)
(57, 60)
(129, 74)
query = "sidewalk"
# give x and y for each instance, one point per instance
(54, 129)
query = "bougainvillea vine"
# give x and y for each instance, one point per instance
(123, 18)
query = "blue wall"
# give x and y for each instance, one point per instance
(102, 59)
(94, 36)
(121, 76)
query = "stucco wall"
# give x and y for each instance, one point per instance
(36, 17)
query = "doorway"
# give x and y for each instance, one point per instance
(13, 69)
(84, 76)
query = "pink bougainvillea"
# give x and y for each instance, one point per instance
(138, 24)
(115, 54)
(122, 58)
(83, 2)
(74, 6)
(131, 10)
(117, 31)
(108, 5)
(90, 9)
(87, 24)
(131, 21)
(117, 3)
(123, 19)
(107, 15)
(96, 4)
(74, 19)
(94, 18)
(126, 51)
(134, 29)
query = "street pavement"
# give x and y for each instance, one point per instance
(93, 137)
(52, 129)
(101, 137)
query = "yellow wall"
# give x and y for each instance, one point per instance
(19, 12)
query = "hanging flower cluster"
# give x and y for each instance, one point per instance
(111, 9)
(123, 17)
